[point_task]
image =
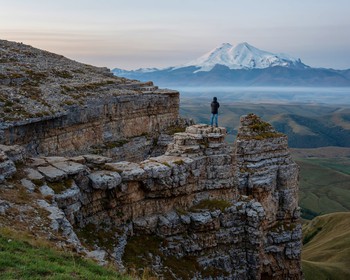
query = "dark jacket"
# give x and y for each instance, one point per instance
(214, 106)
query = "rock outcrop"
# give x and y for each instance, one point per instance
(184, 205)
(55, 106)
(203, 210)
(9, 156)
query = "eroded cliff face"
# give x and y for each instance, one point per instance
(109, 120)
(52, 105)
(267, 173)
(187, 206)
(203, 210)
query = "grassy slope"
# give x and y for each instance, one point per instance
(326, 254)
(325, 188)
(28, 245)
(21, 260)
(324, 185)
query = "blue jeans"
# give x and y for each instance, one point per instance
(214, 118)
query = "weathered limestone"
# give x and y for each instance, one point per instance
(51, 105)
(118, 185)
(51, 173)
(15, 153)
(7, 167)
(228, 213)
(267, 172)
(110, 120)
(9, 156)
(104, 180)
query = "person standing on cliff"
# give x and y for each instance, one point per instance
(214, 112)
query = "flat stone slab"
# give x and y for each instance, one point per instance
(33, 174)
(70, 167)
(28, 185)
(52, 174)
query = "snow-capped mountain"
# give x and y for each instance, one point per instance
(242, 56)
(240, 65)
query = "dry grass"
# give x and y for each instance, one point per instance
(326, 255)
(24, 216)
(323, 152)
(20, 259)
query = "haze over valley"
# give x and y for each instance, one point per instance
(311, 117)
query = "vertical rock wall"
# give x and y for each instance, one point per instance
(267, 173)
(99, 121)
(222, 213)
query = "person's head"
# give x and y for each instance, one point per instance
(215, 99)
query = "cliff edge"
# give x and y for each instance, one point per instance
(203, 210)
(52, 105)
(103, 166)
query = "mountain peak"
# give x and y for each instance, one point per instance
(241, 65)
(225, 45)
(242, 56)
(244, 44)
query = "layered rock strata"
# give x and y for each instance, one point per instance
(203, 210)
(51, 105)
(111, 120)
(267, 173)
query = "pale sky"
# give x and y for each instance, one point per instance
(130, 34)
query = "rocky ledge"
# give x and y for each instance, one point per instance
(52, 105)
(202, 210)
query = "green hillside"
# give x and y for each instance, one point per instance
(326, 250)
(307, 126)
(324, 186)
(23, 259)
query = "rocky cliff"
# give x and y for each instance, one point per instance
(52, 105)
(203, 210)
(189, 206)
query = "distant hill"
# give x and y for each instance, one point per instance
(241, 65)
(326, 250)
(309, 132)
(307, 125)
(324, 184)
